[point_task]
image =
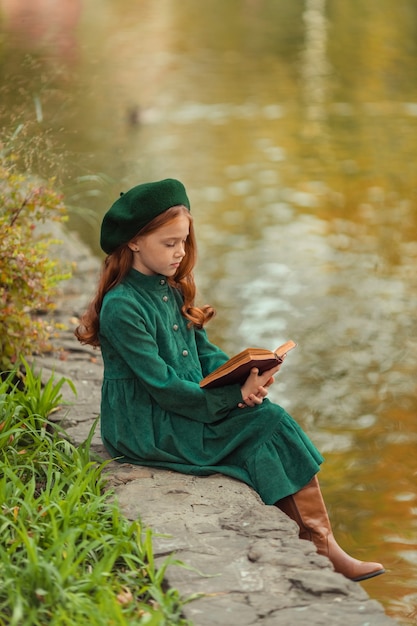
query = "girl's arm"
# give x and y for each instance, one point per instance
(210, 355)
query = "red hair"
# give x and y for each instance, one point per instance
(117, 265)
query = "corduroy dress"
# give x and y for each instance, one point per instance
(153, 411)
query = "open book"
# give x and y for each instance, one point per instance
(237, 369)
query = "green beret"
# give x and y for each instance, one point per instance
(136, 208)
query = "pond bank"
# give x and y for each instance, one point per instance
(244, 556)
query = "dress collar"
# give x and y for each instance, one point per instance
(142, 282)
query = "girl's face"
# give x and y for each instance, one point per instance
(162, 251)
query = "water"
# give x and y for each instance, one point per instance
(293, 125)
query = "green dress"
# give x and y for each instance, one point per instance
(153, 411)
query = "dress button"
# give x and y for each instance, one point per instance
(165, 298)
(185, 353)
(162, 281)
(175, 327)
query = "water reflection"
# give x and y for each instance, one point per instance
(315, 68)
(293, 125)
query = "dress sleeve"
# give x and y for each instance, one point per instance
(210, 355)
(126, 331)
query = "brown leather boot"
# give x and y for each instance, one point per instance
(307, 508)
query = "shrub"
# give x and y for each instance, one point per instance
(28, 276)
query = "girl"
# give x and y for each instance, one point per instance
(156, 351)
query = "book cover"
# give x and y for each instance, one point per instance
(237, 368)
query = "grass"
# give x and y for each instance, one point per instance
(68, 556)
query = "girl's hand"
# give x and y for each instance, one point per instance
(255, 388)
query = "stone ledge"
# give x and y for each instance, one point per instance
(244, 557)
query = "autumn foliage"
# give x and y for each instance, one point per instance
(28, 274)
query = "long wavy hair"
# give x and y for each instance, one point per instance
(117, 264)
